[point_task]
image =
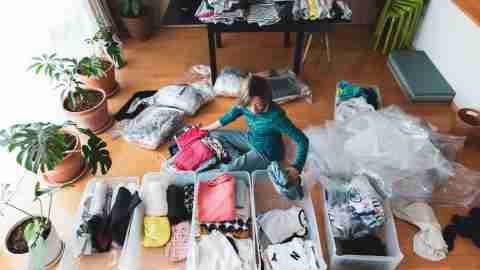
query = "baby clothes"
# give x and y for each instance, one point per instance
(99, 199)
(177, 211)
(156, 231)
(155, 196)
(122, 210)
(189, 136)
(214, 252)
(192, 156)
(281, 183)
(216, 199)
(189, 194)
(177, 248)
(238, 228)
(245, 250)
(280, 225)
(295, 255)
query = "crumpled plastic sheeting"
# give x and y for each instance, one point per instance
(388, 144)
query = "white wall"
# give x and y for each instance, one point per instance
(452, 41)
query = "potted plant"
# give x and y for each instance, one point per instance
(135, 18)
(34, 235)
(99, 73)
(55, 151)
(86, 106)
(106, 39)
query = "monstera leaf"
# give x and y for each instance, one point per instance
(95, 153)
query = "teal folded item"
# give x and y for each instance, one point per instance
(280, 181)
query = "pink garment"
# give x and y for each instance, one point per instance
(177, 248)
(216, 199)
(192, 156)
(191, 135)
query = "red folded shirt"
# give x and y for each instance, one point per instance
(191, 135)
(192, 156)
(216, 199)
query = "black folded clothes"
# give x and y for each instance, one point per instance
(367, 245)
(180, 203)
(103, 229)
(123, 112)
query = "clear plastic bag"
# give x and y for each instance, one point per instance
(230, 82)
(389, 144)
(152, 127)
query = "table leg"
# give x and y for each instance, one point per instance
(212, 54)
(218, 37)
(286, 39)
(297, 57)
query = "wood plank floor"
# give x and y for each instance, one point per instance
(165, 58)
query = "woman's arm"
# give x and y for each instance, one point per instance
(284, 125)
(227, 118)
(212, 126)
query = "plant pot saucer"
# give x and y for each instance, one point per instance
(114, 91)
(108, 125)
(74, 180)
(57, 259)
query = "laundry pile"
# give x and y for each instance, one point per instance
(268, 12)
(352, 100)
(195, 150)
(105, 216)
(224, 233)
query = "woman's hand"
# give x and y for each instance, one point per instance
(293, 174)
(210, 127)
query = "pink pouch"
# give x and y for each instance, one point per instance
(191, 135)
(216, 199)
(192, 156)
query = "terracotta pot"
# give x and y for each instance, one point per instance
(107, 84)
(468, 123)
(70, 168)
(55, 245)
(96, 119)
(139, 27)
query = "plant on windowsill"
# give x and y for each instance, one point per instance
(55, 152)
(86, 106)
(34, 234)
(136, 19)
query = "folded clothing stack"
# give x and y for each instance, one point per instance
(220, 11)
(263, 13)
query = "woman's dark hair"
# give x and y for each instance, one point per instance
(256, 87)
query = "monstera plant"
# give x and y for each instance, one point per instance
(55, 151)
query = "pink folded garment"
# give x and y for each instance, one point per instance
(177, 248)
(216, 199)
(192, 156)
(191, 135)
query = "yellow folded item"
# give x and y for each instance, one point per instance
(156, 231)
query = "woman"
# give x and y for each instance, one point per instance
(266, 123)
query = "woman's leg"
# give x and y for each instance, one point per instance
(234, 137)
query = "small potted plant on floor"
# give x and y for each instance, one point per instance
(55, 152)
(109, 42)
(86, 106)
(34, 235)
(136, 19)
(97, 72)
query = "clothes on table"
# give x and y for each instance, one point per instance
(177, 248)
(265, 131)
(157, 231)
(215, 252)
(280, 181)
(238, 228)
(365, 245)
(263, 13)
(294, 255)
(177, 211)
(293, 224)
(125, 113)
(216, 199)
(355, 209)
(466, 226)
(428, 242)
(346, 91)
(351, 108)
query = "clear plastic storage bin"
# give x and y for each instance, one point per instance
(364, 262)
(205, 176)
(267, 198)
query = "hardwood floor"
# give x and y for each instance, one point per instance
(168, 55)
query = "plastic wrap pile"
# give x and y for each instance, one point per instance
(403, 155)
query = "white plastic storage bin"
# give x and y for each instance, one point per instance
(267, 198)
(364, 262)
(205, 176)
